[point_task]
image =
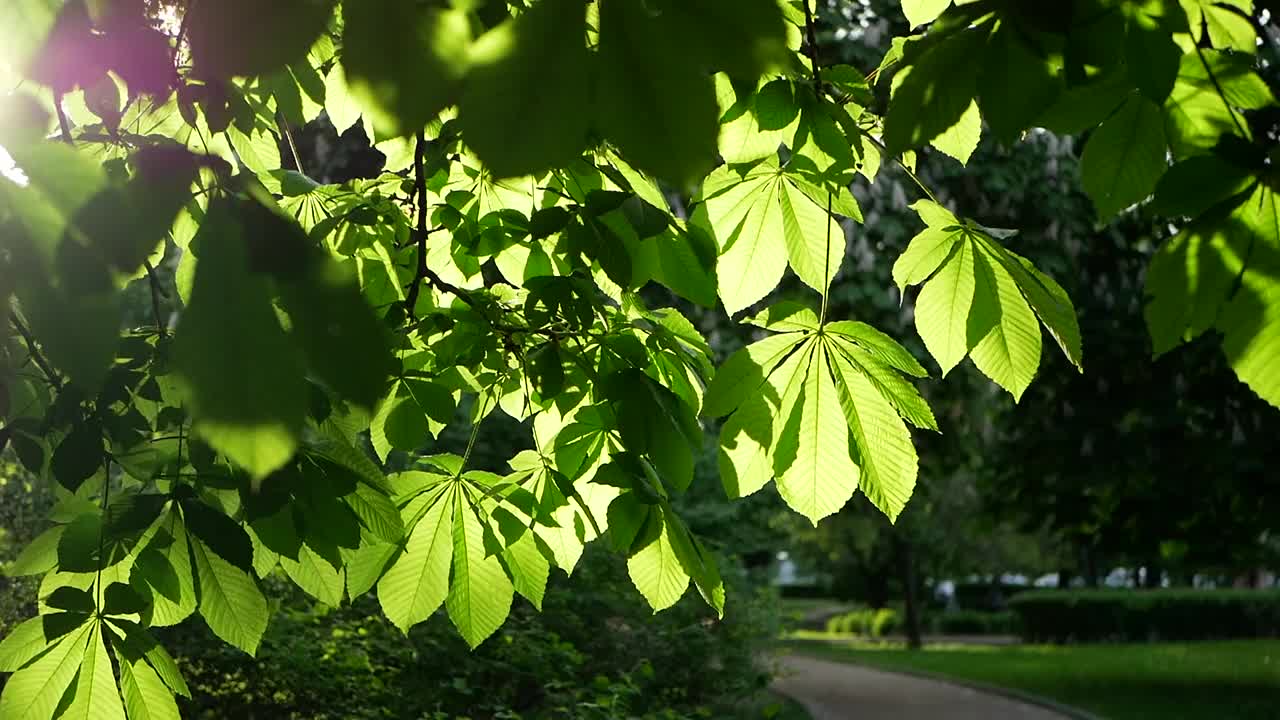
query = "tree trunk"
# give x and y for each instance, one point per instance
(1064, 578)
(1151, 579)
(910, 602)
(1089, 566)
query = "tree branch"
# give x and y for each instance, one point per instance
(62, 119)
(43, 364)
(812, 35)
(420, 230)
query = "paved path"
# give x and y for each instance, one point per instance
(837, 691)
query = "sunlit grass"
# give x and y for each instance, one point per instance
(1238, 680)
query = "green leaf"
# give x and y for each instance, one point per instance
(242, 378)
(1152, 56)
(815, 241)
(924, 255)
(923, 12)
(535, 67)
(942, 309)
(315, 575)
(653, 102)
(1003, 332)
(243, 37)
(1227, 28)
(936, 92)
(885, 455)
(480, 594)
(880, 346)
(529, 568)
(39, 556)
(900, 393)
(744, 372)
(95, 695)
(230, 600)
(960, 140)
(34, 691)
(745, 466)
(145, 695)
(24, 643)
(163, 570)
(403, 61)
(1018, 83)
(417, 581)
(1198, 183)
(748, 226)
(743, 38)
(1125, 157)
(823, 475)
(657, 573)
(1049, 301)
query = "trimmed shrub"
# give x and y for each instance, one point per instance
(866, 622)
(1147, 615)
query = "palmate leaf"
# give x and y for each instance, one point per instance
(763, 220)
(95, 694)
(983, 301)
(827, 419)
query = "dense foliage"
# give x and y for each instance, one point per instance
(1110, 615)
(551, 167)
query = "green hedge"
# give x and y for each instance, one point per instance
(973, 622)
(1147, 615)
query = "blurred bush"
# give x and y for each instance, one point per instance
(1145, 616)
(596, 651)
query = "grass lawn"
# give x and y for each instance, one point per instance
(772, 706)
(1219, 680)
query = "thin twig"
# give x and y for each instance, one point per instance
(812, 33)
(155, 298)
(44, 366)
(182, 31)
(910, 173)
(288, 136)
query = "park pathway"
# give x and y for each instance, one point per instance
(836, 691)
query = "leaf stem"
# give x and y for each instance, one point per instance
(1221, 94)
(910, 173)
(155, 298)
(826, 264)
(102, 529)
